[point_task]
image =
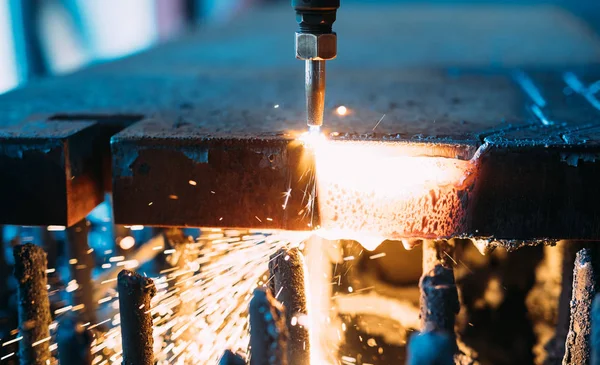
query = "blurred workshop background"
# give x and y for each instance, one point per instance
(45, 37)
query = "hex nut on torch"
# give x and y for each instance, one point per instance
(317, 47)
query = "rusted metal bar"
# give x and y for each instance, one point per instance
(34, 306)
(268, 330)
(135, 294)
(74, 342)
(286, 267)
(81, 264)
(578, 343)
(556, 347)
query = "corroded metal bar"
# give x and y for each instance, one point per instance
(135, 294)
(286, 268)
(34, 306)
(578, 344)
(268, 330)
(439, 296)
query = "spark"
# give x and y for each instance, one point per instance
(377, 256)
(7, 356)
(41, 341)
(200, 309)
(63, 310)
(341, 110)
(450, 257)
(287, 196)
(380, 119)
(12, 341)
(192, 182)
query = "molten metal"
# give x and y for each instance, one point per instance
(372, 191)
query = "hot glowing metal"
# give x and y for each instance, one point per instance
(372, 191)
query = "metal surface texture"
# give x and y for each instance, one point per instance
(55, 168)
(219, 113)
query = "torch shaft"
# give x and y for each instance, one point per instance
(315, 92)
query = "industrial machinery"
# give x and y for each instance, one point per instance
(446, 213)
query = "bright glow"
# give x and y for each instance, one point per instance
(372, 191)
(323, 336)
(56, 228)
(127, 242)
(341, 110)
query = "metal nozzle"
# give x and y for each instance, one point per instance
(315, 92)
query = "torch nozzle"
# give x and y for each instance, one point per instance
(315, 92)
